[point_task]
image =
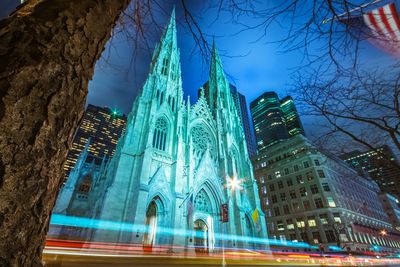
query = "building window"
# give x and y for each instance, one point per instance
(286, 209)
(277, 212)
(280, 184)
(266, 202)
(303, 192)
(316, 237)
(306, 164)
(277, 174)
(336, 218)
(323, 218)
(314, 189)
(296, 168)
(296, 206)
(321, 173)
(263, 164)
(289, 224)
(286, 171)
(280, 226)
(331, 202)
(316, 162)
(292, 237)
(274, 199)
(307, 205)
(289, 182)
(300, 223)
(283, 196)
(262, 180)
(272, 187)
(330, 236)
(326, 188)
(160, 134)
(309, 176)
(299, 179)
(311, 221)
(318, 203)
(292, 194)
(264, 190)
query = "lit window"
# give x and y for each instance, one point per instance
(336, 218)
(277, 174)
(323, 218)
(300, 223)
(311, 221)
(289, 224)
(331, 202)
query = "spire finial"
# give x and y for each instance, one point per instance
(202, 91)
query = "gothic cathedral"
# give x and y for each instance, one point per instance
(169, 176)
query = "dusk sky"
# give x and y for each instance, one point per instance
(254, 66)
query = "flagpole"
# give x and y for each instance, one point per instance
(351, 11)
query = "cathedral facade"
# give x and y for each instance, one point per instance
(171, 176)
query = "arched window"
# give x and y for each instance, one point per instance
(160, 134)
(164, 66)
(162, 98)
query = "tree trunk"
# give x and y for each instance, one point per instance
(48, 49)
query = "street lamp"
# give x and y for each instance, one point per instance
(383, 232)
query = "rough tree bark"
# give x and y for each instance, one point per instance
(48, 49)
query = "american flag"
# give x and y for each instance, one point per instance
(381, 26)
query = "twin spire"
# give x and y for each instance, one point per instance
(167, 47)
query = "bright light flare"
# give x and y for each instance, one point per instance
(383, 232)
(234, 183)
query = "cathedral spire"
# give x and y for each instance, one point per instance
(217, 81)
(166, 46)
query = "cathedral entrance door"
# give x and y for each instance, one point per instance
(151, 226)
(201, 236)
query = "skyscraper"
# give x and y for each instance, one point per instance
(241, 107)
(380, 164)
(104, 127)
(291, 117)
(274, 120)
(268, 121)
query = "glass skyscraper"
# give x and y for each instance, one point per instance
(291, 117)
(381, 165)
(268, 121)
(104, 127)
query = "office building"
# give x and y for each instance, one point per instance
(104, 127)
(291, 117)
(392, 209)
(241, 107)
(311, 196)
(274, 120)
(381, 165)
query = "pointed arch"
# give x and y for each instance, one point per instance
(160, 134)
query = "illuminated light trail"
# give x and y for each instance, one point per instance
(63, 220)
